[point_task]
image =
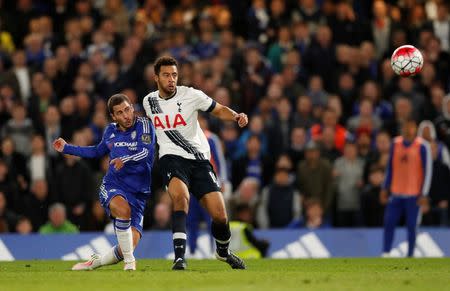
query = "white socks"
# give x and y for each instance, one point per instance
(125, 238)
(112, 256)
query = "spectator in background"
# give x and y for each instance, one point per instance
(297, 145)
(441, 25)
(439, 190)
(303, 114)
(314, 217)
(370, 90)
(403, 112)
(246, 194)
(280, 201)
(39, 164)
(382, 27)
(314, 177)
(433, 106)
(348, 174)
(8, 218)
(255, 74)
(280, 128)
(371, 208)
(111, 83)
(19, 77)
(161, 217)
(253, 164)
(442, 122)
(257, 20)
(35, 206)
(75, 187)
(24, 226)
(16, 163)
(427, 131)
(45, 96)
(68, 117)
(119, 15)
(379, 155)
(20, 129)
(97, 219)
(52, 130)
(278, 49)
(321, 55)
(330, 119)
(229, 135)
(406, 88)
(366, 118)
(243, 241)
(364, 143)
(57, 222)
(328, 144)
(255, 128)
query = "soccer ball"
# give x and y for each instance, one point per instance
(407, 61)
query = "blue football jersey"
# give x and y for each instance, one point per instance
(135, 147)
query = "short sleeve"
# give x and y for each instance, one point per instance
(203, 101)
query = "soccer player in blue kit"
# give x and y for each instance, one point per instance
(125, 188)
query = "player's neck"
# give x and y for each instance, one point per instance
(165, 96)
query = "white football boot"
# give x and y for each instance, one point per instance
(131, 266)
(93, 263)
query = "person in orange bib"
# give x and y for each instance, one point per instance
(408, 178)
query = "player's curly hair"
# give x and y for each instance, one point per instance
(164, 61)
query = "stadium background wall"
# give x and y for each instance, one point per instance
(431, 242)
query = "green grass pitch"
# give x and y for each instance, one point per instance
(310, 274)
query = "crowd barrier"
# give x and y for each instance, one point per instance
(327, 243)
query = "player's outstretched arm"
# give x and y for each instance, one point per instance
(228, 114)
(60, 145)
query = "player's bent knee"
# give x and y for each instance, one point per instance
(120, 208)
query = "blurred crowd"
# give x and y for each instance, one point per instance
(314, 76)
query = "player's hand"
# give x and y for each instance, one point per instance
(383, 197)
(59, 145)
(241, 119)
(424, 204)
(118, 163)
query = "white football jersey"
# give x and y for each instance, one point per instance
(175, 120)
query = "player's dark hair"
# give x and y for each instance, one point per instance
(164, 61)
(117, 99)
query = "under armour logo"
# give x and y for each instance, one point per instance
(179, 106)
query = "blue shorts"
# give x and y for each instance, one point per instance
(136, 201)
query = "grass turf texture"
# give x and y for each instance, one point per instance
(322, 274)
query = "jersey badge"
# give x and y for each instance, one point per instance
(146, 138)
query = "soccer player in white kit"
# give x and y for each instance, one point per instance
(184, 155)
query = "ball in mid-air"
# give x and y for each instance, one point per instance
(407, 61)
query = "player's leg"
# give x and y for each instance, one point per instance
(220, 228)
(121, 211)
(193, 222)
(114, 255)
(179, 193)
(392, 215)
(412, 215)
